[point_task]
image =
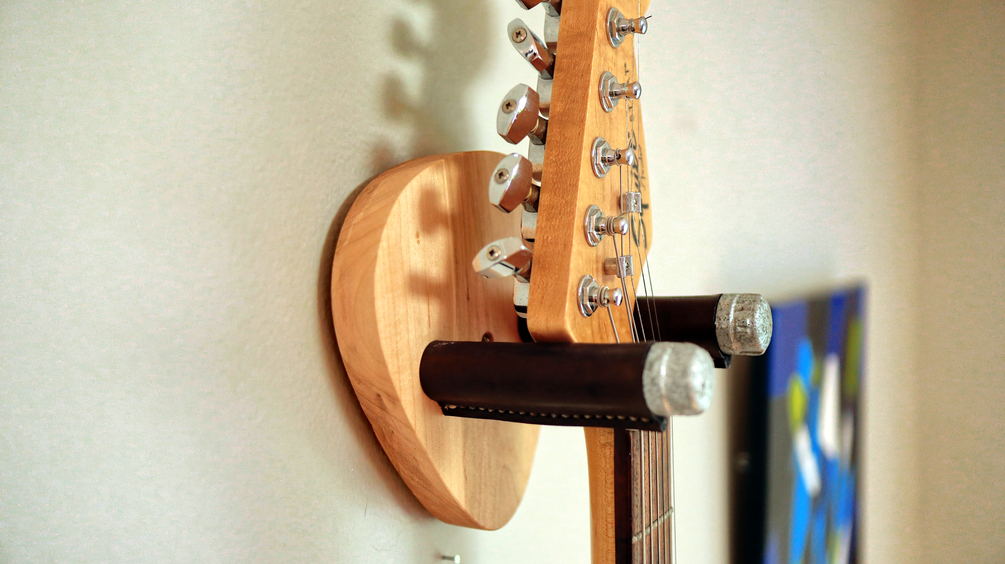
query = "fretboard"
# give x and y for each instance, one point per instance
(644, 497)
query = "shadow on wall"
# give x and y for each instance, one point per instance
(449, 52)
(449, 56)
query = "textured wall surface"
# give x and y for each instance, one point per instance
(171, 183)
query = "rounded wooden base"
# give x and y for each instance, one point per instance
(401, 278)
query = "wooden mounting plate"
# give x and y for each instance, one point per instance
(401, 278)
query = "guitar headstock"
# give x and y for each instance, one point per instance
(594, 175)
(584, 183)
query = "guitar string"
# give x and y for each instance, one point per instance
(658, 533)
(624, 290)
(647, 519)
(617, 257)
(644, 473)
(645, 436)
(654, 320)
(648, 552)
(656, 437)
(637, 515)
(665, 498)
(654, 537)
(629, 133)
(669, 514)
(649, 436)
(614, 326)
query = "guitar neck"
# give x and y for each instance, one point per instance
(631, 496)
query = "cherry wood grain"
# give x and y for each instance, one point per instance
(401, 278)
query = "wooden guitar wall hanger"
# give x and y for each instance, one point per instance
(463, 326)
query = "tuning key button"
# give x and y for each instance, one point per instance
(512, 184)
(519, 116)
(612, 91)
(532, 48)
(553, 7)
(604, 157)
(618, 26)
(505, 257)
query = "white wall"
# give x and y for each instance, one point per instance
(788, 135)
(171, 182)
(962, 389)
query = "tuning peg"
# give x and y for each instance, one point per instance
(604, 157)
(512, 184)
(618, 26)
(597, 225)
(612, 91)
(553, 7)
(593, 296)
(532, 48)
(505, 257)
(519, 116)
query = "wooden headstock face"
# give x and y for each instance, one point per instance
(570, 185)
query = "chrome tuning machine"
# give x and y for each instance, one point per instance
(532, 48)
(515, 181)
(519, 116)
(508, 257)
(604, 157)
(593, 296)
(612, 91)
(505, 257)
(618, 26)
(597, 225)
